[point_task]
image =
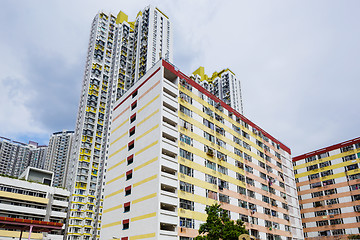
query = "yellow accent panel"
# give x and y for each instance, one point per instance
(113, 208)
(331, 167)
(197, 182)
(143, 217)
(23, 197)
(116, 152)
(330, 158)
(196, 198)
(151, 101)
(145, 163)
(111, 224)
(191, 214)
(121, 17)
(114, 179)
(119, 138)
(146, 148)
(114, 193)
(142, 236)
(147, 118)
(145, 180)
(16, 234)
(147, 132)
(114, 166)
(119, 126)
(201, 72)
(144, 198)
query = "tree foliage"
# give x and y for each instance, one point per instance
(354, 236)
(219, 226)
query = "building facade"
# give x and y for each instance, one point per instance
(119, 53)
(176, 148)
(15, 157)
(328, 185)
(224, 85)
(32, 201)
(58, 156)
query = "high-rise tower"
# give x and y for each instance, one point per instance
(58, 155)
(119, 53)
(224, 85)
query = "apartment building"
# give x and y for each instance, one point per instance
(119, 53)
(26, 200)
(223, 85)
(176, 148)
(328, 185)
(58, 156)
(15, 156)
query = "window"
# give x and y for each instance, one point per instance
(185, 154)
(208, 111)
(248, 169)
(211, 194)
(237, 140)
(185, 124)
(351, 167)
(349, 157)
(221, 156)
(247, 146)
(134, 93)
(238, 152)
(323, 155)
(210, 165)
(186, 204)
(186, 170)
(187, 222)
(224, 198)
(312, 167)
(330, 191)
(209, 137)
(221, 143)
(336, 221)
(267, 211)
(244, 218)
(129, 175)
(320, 213)
(222, 170)
(247, 157)
(317, 194)
(133, 118)
(240, 177)
(347, 148)
(241, 190)
(242, 203)
(185, 110)
(210, 179)
(209, 150)
(131, 145)
(223, 184)
(187, 187)
(313, 176)
(125, 224)
(250, 181)
(185, 97)
(132, 131)
(133, 105)
(334, 211)
(186, 139)
(208, 124)
(326, 173)
(130, 159)
(251, 193)
(127, 190)
(310, 159)
(127, 207)
(265, 199)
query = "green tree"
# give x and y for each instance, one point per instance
(354, 236)
(219, 226)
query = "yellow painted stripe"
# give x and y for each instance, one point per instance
(147, 132)
(142, 236)
(118, 138)
(119, 126)
(114, 179)
(145, 180)
(111, 224)
(146, 148)
(113, 154)
(144, 198)
(119, 163)
(151, 101)
(192, 214)
(114, 193)
(113, 208)
(149, 215)
(23, 197)
(145, 119)
(145, 164)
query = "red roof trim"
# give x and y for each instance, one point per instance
(136, 88)
(28, 221)
(224, 105)
(327, 149)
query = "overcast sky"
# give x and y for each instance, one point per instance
(298, 62)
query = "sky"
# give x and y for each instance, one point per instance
(298, 62)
